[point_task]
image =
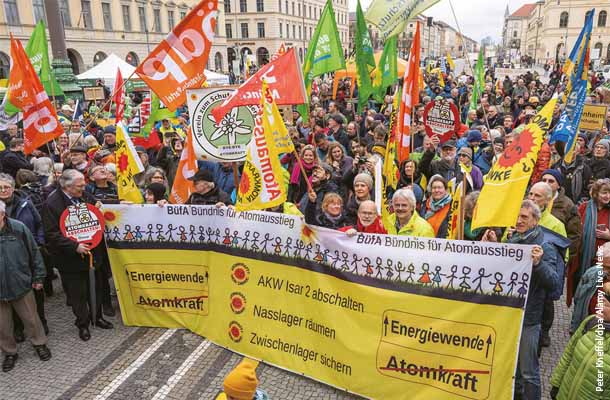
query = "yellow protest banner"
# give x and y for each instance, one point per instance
(359, 313)
(593, 117)
(505, 183)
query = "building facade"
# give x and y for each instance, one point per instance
(96, 28)
(549, 30)
(258, 27)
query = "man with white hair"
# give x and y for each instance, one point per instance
(21, 270)
(405, 220)
(73, 260)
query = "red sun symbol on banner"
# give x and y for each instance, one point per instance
(235, 331)
(518, 150)
(240, 273)
(238, 303)
(244, 185)
(123, 162)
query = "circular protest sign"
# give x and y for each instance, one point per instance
(441, 118)
(226, 140)
(83, 223)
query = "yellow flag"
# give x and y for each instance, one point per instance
(261, 185)
(506, 182)
(450, 62)
(128, 164)
(274, 123)
(454, 226)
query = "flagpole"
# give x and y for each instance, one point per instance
(102, 108)
(309, 188)
(457, 24)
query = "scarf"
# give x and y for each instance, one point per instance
(334, 220)
(528, 237)
(435, 205)
(295, 177)
(375, 227)
(588, 236)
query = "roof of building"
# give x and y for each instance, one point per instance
(524, 11)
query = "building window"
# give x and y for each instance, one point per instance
(299, 9)
(126, 18)
(279, 5)
(142, 18)
(286, 9)
(514, 34)
(260, 6)
(310, 32)
(11, 12)
(243, 6)
(170, 20)
(293, 8)
(601, 19)
(107, 16)
(261, 29)
(85, 6)
(563, 20)
(182, 15)
(39, 14)
(227, 6)
(300, 32)
(294, 31)
(229, 31)
(281, 33)
(64, 9)
(244, 30)
(157, 20)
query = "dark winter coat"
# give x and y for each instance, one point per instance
(22, 209)
(21, 263)
(13, 161)
(210, 198)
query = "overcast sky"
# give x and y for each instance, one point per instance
(477, 18)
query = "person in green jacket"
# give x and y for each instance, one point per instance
(585, 359)
(405, 220)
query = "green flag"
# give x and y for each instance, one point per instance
(38, 53)
(391, 16)
(324, 53)
(364, 58)
(387, 70)
(157, 113)
(479, 82)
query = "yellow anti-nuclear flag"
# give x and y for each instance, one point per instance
(506, 182)
(261, 185)
(450, 62)
(128, 164)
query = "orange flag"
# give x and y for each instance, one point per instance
(183, 187)
(410, 97)
(177, 63)
(40, 123)
(119, 96)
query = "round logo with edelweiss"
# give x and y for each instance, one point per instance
(238, 302)
(235, 331)
(240, 273)
(226, 140)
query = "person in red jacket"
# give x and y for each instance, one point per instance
(368, 220)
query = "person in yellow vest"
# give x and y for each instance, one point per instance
(405, 220)
(241, 383)
(541, 193)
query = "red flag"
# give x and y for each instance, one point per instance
(410, 97)
(285, 80)
(280, 52)
(177, 63)
(145, 109)
(119, 96)
(40, 123)
(183, 187)
(149, 142)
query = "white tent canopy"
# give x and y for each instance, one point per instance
(106, 70)
(216, 79)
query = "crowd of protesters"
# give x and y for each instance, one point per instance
(565, 214)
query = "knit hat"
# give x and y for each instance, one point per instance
(555, 174)
(605, 143)
(466, 151)
(241, 383)
(583, 137)
(474, 136)
(110, 129)
(364, 178)
(202, 175)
